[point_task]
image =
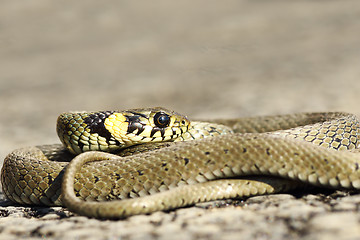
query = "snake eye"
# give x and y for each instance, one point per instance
(161, 120)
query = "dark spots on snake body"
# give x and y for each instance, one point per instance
(268, 152)
(186, 161)
(212, 130)
(96, 179)
(326, 161)
(209, 161)
(140, 172)
(118, 176)
(296, 154)
(357, 166)
(257, 167)
(244, 150)
(128, 195)
(337, 178)
(337, 140)
(207, 153)
(133, 193)
(50, 179)
(226, 151)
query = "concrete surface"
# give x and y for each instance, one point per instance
(200, 58)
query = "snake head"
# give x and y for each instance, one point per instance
(113, 130)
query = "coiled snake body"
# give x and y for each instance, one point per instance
(243, 157)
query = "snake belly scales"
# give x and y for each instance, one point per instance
(229, 158)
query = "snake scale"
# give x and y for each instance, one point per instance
(227, 158)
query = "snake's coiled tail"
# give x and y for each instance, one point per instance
(311, 148)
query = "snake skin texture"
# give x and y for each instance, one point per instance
(262, 155)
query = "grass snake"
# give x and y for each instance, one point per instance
(227, 158)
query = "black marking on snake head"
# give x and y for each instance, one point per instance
(137, 114)
(95, 122)
(186, 160)
(162, 131)
(156, 129)
(134, 124)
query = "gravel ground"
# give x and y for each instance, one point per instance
(203, 59)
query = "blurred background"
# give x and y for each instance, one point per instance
(201, 58)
